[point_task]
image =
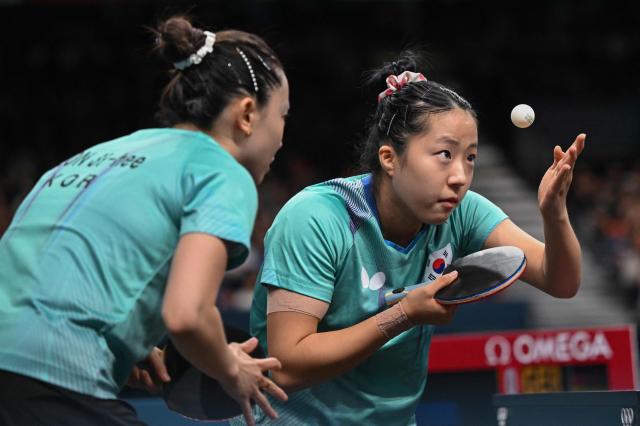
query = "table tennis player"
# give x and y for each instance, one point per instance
(337, 247)
(131, 238)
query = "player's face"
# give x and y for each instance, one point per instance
(436, 168)
(268, 130)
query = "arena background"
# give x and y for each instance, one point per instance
(75, 73)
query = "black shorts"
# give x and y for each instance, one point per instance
(29, 402)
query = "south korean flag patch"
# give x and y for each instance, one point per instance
(437, 262)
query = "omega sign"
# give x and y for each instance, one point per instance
(559, 347)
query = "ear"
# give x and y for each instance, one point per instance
(246, 115)
(387, 157)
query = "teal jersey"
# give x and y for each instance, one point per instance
(326, 243)
(84, 263)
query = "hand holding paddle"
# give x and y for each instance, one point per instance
(248, 382)
(421, 306)
(480, 274)
(151, 373)
(195, 395)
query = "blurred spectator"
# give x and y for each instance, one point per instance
(606, 206)
(237, 291)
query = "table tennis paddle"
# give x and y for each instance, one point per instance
(480, 274)
(195, 395)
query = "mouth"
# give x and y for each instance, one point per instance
(449, 202)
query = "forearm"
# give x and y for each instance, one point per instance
(309, 357)
(319, 357)
(189, 310)
(204, 344)
(562, 263)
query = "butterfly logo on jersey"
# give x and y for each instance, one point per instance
(437, 262)
(374, 283)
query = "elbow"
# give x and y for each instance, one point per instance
(281, 378)
(180, 321)
(566, 291)
(177, 324)
(564, 294)
(287, 380)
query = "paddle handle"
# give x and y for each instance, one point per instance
(394, 296)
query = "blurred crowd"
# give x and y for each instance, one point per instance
(15, 182)
(605, 208)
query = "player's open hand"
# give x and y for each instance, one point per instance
(248, 381)
(552, 193)
(421, 306)
(151, 373)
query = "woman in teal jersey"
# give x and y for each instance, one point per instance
(336, 248)
(130, 239)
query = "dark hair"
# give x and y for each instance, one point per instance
(198, 93)
(405, 112)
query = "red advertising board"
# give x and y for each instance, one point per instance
(514, 354)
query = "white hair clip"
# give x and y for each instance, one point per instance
(196, 58)
(246, 61)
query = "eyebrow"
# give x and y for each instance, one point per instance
(450, 141)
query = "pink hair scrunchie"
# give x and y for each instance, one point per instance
(397, 82)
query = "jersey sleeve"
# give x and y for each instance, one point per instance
(220, 199)
(478, 217)
(306, 244)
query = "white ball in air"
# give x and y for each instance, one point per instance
(522, 116)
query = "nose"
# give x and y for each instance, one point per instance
(459, 175)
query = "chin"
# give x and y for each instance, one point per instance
(437, 221)
(435, 218)
(260, 177)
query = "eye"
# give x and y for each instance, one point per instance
(472, 158)
(444, 154)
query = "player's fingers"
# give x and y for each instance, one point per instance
(270, 363)
(448, 312)
(157, 361)
(249, 345)
(274, 390)
(557, 156)
(247, 412)
(569, 159)
(574, 150)
(560, 180)
(135, 375)
(580, 142)
(443, 281)
(134, 378)
(263, 402)
(147, 380)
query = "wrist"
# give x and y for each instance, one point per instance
(556, 217)
(230, 367)
(393, 321)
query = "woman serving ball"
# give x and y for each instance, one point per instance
(337, 247)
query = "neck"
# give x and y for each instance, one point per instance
(225, 140)
(397, 222)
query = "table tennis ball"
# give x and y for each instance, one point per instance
(522, 116)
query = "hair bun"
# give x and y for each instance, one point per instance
(408, 60)
(176, 38)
